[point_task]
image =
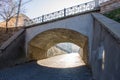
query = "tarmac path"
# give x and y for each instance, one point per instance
(62, 67)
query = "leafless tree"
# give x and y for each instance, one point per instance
(8, 9)
(19, 9)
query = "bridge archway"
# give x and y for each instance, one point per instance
(39, 45)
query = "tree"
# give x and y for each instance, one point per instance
(8, 9)
(18, 11)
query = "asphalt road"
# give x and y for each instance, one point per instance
(63, 67)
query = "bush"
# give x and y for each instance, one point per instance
(115, 15)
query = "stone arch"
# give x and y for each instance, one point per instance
(38, 46)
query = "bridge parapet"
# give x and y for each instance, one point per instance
(105, 48)
(65, 12)
(62, 13)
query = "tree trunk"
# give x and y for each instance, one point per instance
(6, 26)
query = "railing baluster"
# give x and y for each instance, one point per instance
(42, 18)
(64, 12)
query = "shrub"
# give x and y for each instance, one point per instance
(115, 15)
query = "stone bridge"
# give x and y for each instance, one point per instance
(76, 29)
(97, 35)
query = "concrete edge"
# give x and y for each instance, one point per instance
(110, 25)
(57, 19)
(10, 40)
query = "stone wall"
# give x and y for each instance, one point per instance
(42, 54)
(81, 23)
(109, 6)
(54, 51)
(12, 52)
(39, 45)
(105, 62)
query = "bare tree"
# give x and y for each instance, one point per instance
(19, 10)
(7, 10)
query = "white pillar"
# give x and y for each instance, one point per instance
(96, 3)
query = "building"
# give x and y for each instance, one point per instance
(12, 21)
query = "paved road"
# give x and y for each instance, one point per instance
(63, 61)
(46, 70)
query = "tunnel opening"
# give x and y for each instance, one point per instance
(39, 46)
(63, 55)
(63, 48)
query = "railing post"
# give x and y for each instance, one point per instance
(42, 18)
(96, 3)
(64, 12)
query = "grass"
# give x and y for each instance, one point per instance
(115, 15)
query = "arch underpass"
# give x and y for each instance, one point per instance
(39, 45)
(97, 36)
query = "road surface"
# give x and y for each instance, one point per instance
(62, 67)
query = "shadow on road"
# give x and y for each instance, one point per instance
(33, 71)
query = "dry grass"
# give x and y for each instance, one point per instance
(6, 35)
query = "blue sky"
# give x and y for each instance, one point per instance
(36, 8)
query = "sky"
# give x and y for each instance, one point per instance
(36, 8)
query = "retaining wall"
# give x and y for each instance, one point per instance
(105, 48)
(12, 52)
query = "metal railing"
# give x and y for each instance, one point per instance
(63, 13)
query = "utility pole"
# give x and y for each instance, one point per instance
(19, 5)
